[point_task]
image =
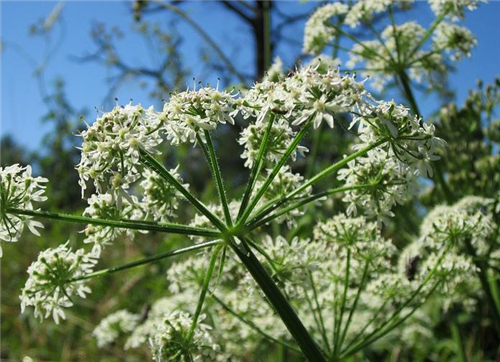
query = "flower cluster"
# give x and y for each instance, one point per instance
(465, 223)
(112, 145)
(173, 339)
(187, 112)
(388, 175)
(341, 248)
(453, 39)
(397, 47)
(318, 33)
(305, 95)
(364, 10)
(52, 281)
(280, 137)
(399, 42)
(102, 206)
(18, 190)
(161, 199)
(363, 238)
(115, 324)
(383, 182)
(453, 8)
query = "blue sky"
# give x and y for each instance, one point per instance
(86, 85)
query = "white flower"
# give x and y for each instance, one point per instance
(323, 63)
(389, 182)
(454, 39)
(318, 33)
(362, 237)
(171, 340)
(188, 112)
(364, 10)
(103, 206)
(49, 287)
(400, 39)
(115, 324)
(284, 183)
(111, 148)
(454, 8)
(275, 71)
(161, 199)
(18, 190)
(280, 137)
(464, 222)
(305, 94)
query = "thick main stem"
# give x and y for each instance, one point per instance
(279, 302)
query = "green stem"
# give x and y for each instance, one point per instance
(254, 326)
(257, 166)
(372, 336)
(314, 151)
(335, 167)
(363, 45)
(368, 341)
(382, 42)
(353, 308)
(323, 174)
(336, 346)
(214, 166)
(274, 172)
(321, 324)
(365, 327)
(124, 224)
(144, 261)
(396, 36)
(259, 221)
(153, 164)
(405, 83)
(427, 34)
(203, 293)
(455, 331)
(279, 303)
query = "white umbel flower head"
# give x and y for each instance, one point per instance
(280, 137)
(49, 287)
(307, 94)
(115, 324)
(318, 32)
(384, 182)
(453, 9)
(188, 113)
(172, 340)
(103, 206)
(464, 222)
(161, 199)
(453, 39)
(365, 10)
(18, 190)
(111, 148)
